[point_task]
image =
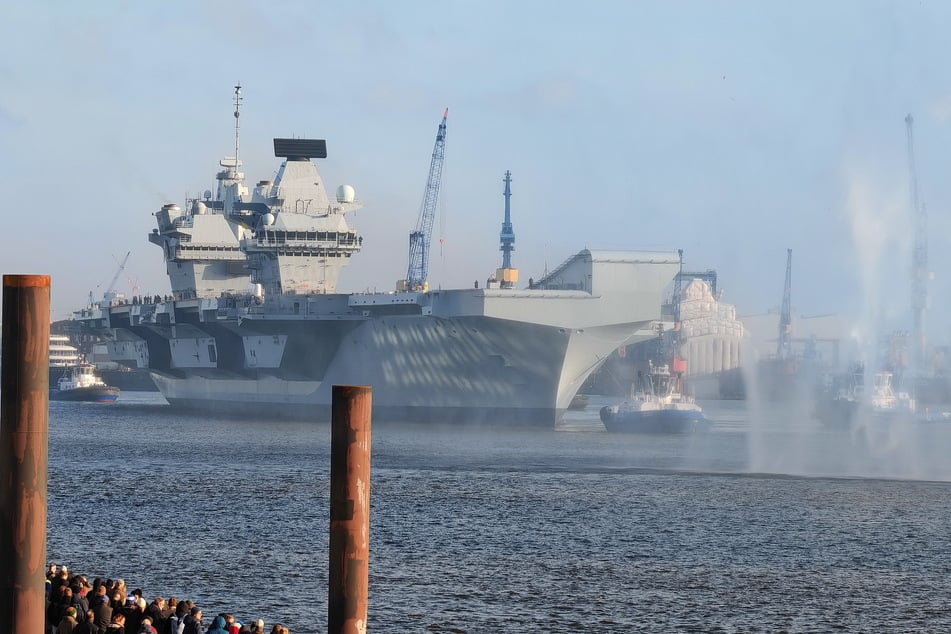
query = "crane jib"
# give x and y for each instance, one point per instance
(419, 239)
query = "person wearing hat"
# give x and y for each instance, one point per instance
(134, 612)
(103, 611)
(217, 626)
(147, 627)
(68, 623)
(193, 621)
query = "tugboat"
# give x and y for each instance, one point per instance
(80, 383)
(849, 400)
(657, 406)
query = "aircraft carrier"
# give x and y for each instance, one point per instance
(255, 326)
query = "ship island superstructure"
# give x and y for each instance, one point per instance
(255, 324)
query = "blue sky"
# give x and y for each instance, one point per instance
(731, 130)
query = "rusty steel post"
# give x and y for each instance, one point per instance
(24, 433)
(349, 510)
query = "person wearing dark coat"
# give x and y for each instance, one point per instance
(146, 627)
(176, 622)
(193, 622)
(88, 624)
(158, 612)
(103, 613)
(79, 601)
(68, 623)
(134, 613)
(117, 626)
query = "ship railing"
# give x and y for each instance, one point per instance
(261, 242)
(307, 239)
(224, 251)
(555, 275)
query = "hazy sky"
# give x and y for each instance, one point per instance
(731, 130)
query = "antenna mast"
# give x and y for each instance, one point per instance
(237, 122)
(507, 276)
(507, 236)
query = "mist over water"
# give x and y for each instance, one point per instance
(784, 439)
(784, 435)
(883, 229)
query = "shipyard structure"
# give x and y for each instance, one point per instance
(709, 338)
(255, 325)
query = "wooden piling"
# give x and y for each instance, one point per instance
(24, 435)
(349, 510)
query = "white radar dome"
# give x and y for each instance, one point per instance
(345, 194)
(267, 219)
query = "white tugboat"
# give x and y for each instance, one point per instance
(80, 383)
(657, 406)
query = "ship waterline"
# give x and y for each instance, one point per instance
(471, 370)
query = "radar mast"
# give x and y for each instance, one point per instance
(237, 123)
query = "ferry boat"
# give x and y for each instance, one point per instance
(80, 383)
(63, 355)
(657, 406)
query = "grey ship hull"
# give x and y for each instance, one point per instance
(462, 370)
(477, 356)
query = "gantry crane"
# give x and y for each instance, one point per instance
(110, 293)
(418, 271)
(784, 345)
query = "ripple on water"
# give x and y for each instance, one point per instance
(549, 532)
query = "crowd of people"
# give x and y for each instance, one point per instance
(76, 606)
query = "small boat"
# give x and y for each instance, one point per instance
(850, 401)
(80, 383)
(657, 406)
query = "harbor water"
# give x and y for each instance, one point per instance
(767, 522)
